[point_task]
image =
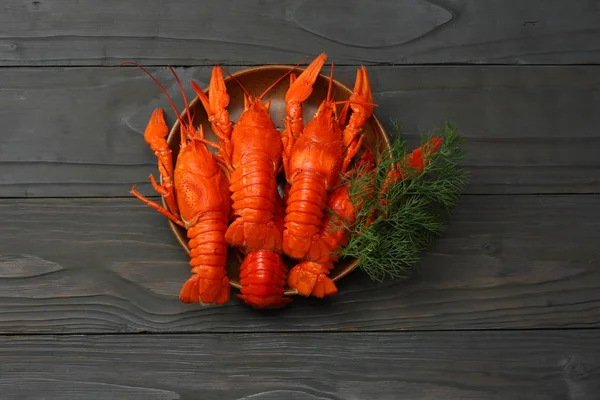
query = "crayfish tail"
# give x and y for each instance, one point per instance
(198, 290)
(254, 235)
(311, 278)
(305, 210)
(209, 283)
(255, 203)
(320, 250)
(263, 276)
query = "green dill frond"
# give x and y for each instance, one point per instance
(411, 213)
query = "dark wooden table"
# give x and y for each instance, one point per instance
(506, 305)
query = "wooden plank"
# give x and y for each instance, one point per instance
(100, 265)
(79, 131)
(539, 365)
(188, 32)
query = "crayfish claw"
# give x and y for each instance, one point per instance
(219, 99)
(156, 131)
(362, 86)
(302, 86)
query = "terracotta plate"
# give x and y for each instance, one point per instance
(256, 80)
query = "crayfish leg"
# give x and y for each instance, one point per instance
(157, 207)
(167, 191)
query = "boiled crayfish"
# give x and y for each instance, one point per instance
(198, 198)
(252, 158)
(314, 157)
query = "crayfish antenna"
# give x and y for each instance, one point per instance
(187, 106)
(177, 114)
(280, 79)
(330, 88)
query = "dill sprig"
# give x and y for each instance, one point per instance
(410, 213)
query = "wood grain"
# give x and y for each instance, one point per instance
(79, 131)
(188, 32)
(113, 265)
(543, 365)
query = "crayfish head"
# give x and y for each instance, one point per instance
(320, 148)
(255, 132)
(256, 113)
(324, 126)
(200, 184)
(195, 158)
